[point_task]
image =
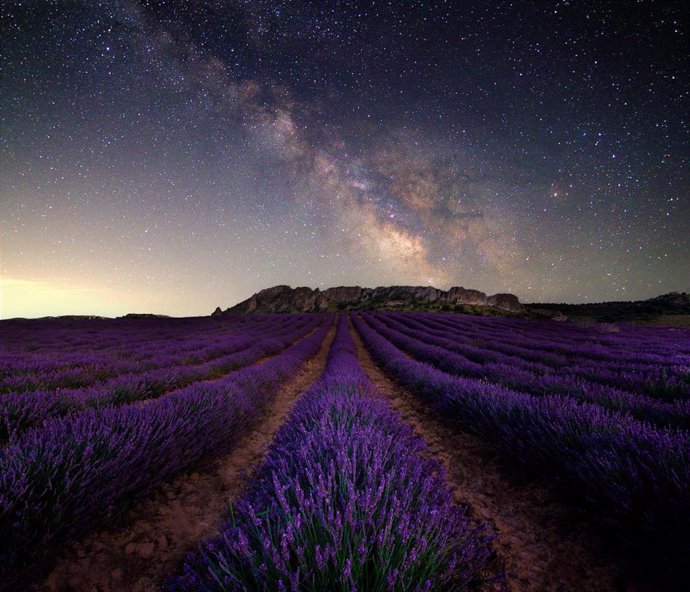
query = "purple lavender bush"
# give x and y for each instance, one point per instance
(345, 501)
(644, 360)
(631, 477)
(132, 349)
(22, 411)
(61, 480)
(443, 354)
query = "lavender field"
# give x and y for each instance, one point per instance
(317, 452)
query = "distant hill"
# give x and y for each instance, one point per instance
(672, 304)
(287, 299)
(58, 318)
(144, 315)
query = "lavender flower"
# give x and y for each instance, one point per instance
(64, 477)
(633, 477)
(371, 507)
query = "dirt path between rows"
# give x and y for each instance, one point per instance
(543, 546)
(158, 533)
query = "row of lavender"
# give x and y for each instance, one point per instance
(345, 501)
(447, 350)
(644, 360)
(633, 477)
(64, 478)
(60, 344)
(23, 410)
(656, 365)
(116, 350)
(586, 341)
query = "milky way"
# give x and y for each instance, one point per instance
(174, 156)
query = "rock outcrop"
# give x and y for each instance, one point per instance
(287, 299)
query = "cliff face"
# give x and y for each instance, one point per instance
(284, 299)
(287, 299)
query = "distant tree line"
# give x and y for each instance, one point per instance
(668, 304)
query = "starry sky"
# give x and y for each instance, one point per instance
(172, 156)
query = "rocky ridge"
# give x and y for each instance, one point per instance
(287, 299)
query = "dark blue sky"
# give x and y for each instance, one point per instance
(174, 156)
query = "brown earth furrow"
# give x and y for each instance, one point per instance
(542, 544)
(154, 537)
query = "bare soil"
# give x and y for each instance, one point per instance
(544, 547)
(153, 538)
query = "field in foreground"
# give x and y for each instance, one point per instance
(372, 451)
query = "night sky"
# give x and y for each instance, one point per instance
(170, 157)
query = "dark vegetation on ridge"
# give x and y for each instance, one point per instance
(673, 304)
